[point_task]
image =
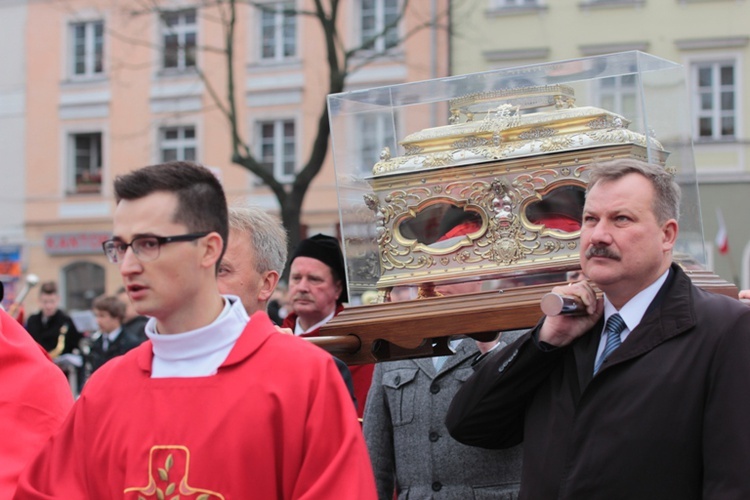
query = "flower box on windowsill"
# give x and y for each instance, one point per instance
(88, 189)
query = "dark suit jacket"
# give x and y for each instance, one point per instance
(136, 328)
(97, 355)
(666, 418)
(46, 334)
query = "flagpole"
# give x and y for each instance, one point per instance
(732, 270)
(722, 245)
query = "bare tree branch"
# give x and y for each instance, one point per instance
(338, 59)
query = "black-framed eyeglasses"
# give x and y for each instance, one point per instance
(146, 248)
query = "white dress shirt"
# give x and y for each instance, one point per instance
(632, 312)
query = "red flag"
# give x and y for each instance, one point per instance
(722, 238)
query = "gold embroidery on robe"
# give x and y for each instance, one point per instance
(168, 471)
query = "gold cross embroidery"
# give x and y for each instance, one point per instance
(169, 467)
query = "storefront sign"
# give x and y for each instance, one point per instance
(75, 243)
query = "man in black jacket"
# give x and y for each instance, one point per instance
(51, 327)
(655, 408)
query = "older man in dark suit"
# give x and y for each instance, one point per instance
(652, 405)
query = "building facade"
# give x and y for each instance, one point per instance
(708, 37)
(12, 131)
(112, 86)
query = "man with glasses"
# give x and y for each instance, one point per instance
(215, 404)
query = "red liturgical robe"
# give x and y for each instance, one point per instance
(361, 374)
(34, 400)
(274, 422)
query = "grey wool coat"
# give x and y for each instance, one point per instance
(409, 445)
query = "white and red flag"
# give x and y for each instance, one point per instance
(722, 238)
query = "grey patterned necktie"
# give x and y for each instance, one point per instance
(615, 326)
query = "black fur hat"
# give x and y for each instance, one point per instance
(327, 250)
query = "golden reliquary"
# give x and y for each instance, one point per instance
(497, 192)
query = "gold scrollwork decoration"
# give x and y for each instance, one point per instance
(505, 238)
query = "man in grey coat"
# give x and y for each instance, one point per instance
(410, 449)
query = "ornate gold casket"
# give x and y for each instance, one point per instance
(496, 196)
(491, 194)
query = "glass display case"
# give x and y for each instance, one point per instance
(480, 178)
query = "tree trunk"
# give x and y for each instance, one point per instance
(291, 212)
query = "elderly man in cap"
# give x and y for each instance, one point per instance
(317, 292)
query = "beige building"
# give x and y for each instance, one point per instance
(710, 38)
(112, 86)
(95, 88)
(12, 132)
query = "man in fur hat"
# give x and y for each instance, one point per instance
(317, 292)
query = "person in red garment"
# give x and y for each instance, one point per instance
(317, 292)
(253, 262)
(34, 400)
(214, 405)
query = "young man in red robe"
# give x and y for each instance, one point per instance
(214, 405)
(35, 398)
(317, 292)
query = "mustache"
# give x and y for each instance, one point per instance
(599, 251)
(302, 296)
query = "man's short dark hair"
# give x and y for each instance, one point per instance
(201, 203)
(111, 305)
(48, 288)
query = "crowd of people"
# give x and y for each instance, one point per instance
(193, 391)
(79, 351)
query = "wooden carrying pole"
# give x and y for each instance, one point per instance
(420, 328)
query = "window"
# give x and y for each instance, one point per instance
(715, 100)
(277, 143)
(83, 282)
(179, 39)
(87, 49)
(619, 94)
(278, 28)
(177, 143)
(377, 15)
(86, 172)
(374, 132)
